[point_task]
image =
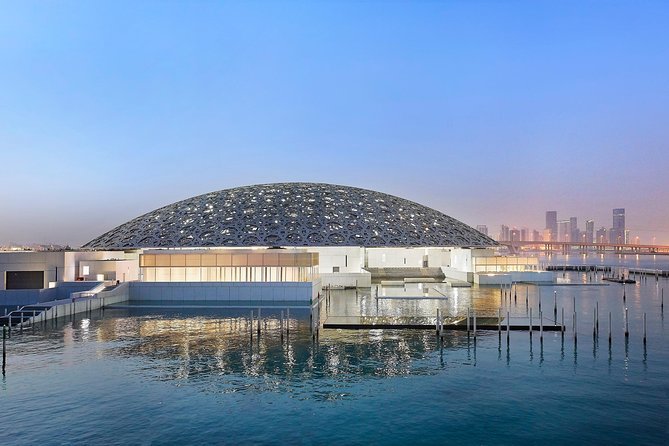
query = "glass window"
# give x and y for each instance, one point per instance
(149, 274)
(163, 275)
(162, 260)
(208, 260)
(192, 274)
(239, 260)
(223, 259)
(193, 260)
(178, 274)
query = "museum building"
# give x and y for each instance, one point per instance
(251, 241)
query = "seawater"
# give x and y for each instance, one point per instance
(183, 376)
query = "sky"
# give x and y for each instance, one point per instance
(491, 112)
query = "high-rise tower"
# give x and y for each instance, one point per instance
(574, 232)
(552, 225)
(589, 231)
(617, 233)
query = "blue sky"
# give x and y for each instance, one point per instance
(491, 112)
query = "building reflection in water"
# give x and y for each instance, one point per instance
(179, 345)
(195, 347)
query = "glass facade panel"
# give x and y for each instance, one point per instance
(193, 259)
(239, 260)
(162, 260)
(505, 264)
(234, 267)
(271, 259)
(286, 259)
(255, 259)
(193, 274)
(223, 259)
(178, 274)
(163, 275)
(149, 274)
(257, 273)
(208, 260)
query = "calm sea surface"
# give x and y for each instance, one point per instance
(186, 376)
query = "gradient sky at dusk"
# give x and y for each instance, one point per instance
(492, 112)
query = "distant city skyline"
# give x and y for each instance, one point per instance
(490, 113)
(566, 229)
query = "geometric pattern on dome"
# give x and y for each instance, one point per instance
(292, 214)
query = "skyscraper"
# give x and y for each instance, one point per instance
(589, 231)
(504, 233)
(564, 231)
(483, 229)
(552, 225)
(574, 233)
(602, 236)
(617, 234)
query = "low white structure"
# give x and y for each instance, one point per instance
(352, 266)
(486, 267)
(343, 267)
(42, 269)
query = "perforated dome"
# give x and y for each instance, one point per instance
(291, 214)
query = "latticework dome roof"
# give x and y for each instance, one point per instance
(292, 214)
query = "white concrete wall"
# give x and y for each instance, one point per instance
(121, 270)
(96, 260)
(73, 259)
(66, 264)
(452, 273)
(32, 261)
(438, 257)
(225, 291)
(461, 259)
(396, 257)
(349, 259)
(408, 257)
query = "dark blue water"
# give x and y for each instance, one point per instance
(151, 376)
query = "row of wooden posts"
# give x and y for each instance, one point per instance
(596, 314)
(471, 321)
(284, 323)
(505, 294)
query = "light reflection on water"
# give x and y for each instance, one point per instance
(130, 368)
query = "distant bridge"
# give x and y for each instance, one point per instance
(582, 247)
